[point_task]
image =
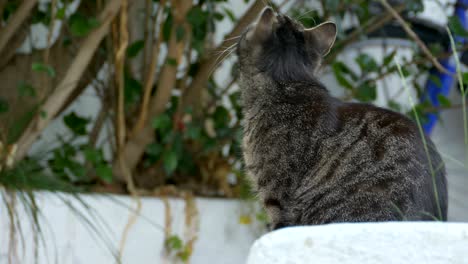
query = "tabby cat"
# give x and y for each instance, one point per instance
(314, 159)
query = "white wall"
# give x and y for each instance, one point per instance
(220, 237)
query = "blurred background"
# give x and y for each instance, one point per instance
(120, 120)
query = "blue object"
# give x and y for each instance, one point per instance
(446, 81)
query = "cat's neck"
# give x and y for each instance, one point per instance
(261, 89)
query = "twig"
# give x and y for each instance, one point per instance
(148, 32)
(121, 130)
(135, 146)
(368, 27)
(119, 75)
(51, 31)
(149, 79)
(98, 124)
(415, 37)
(222, 93)
(45, 79)
(70, 80)
(167, 226)
(192, 97)
(18, 18)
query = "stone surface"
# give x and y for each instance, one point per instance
(371, 243)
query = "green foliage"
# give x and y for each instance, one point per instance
(20, 124)
(456, 27)
(366, 92)
(132, 90)
(30, 175)
(170, 160)
(26, 90)
(4, 106)
(367, 63)
(96, 158)
(135, 48)
(175, 245)
(40, 67)
(76, 124)
(81, 25)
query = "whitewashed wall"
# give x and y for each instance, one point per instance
(220, 237)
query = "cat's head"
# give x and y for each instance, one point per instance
(282, 48)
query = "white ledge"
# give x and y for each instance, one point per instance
(364, 243)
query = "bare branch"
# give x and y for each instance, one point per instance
(193, 95)
(136, 145)
(15, 22)
(54, 103)
(149, 79)
(415, 37)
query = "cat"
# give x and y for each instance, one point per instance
(314, 159)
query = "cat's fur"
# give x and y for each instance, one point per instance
(314, 159)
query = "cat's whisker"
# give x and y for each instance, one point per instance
(220, 60)
(236, 37)
(305, 13)
(225, 49)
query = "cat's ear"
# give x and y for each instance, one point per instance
(265, 24)
(324, 36)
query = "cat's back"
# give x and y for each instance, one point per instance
(376, 166)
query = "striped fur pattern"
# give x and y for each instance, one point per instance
(314, 159)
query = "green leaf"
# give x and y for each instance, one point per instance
(26, 89)
(4, 106)
(75, 123)
(436, 80)
(60, 13)
(104, 172)
(465, 78)
(366, 92)
(456, 27)
(230, 14)
(367, 63)
(133, 89)
(218, 16)
(162, 122)
(389, 58)
(262, 217)
(81, 25)
(443, 101)
(405, 71)
(415, 5)
(92, 155)
(332, 4)
(167, 27)
(221, 117)
(135, 48)
(174, 242)
(180, 33)
(40, 67)
(77, 169)
(185, 254)
(340, 70)
(196, 16)
(171, 61)
(154, 149)
(193, 132)
(170, 161)
(15, 131)
(394, 105)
